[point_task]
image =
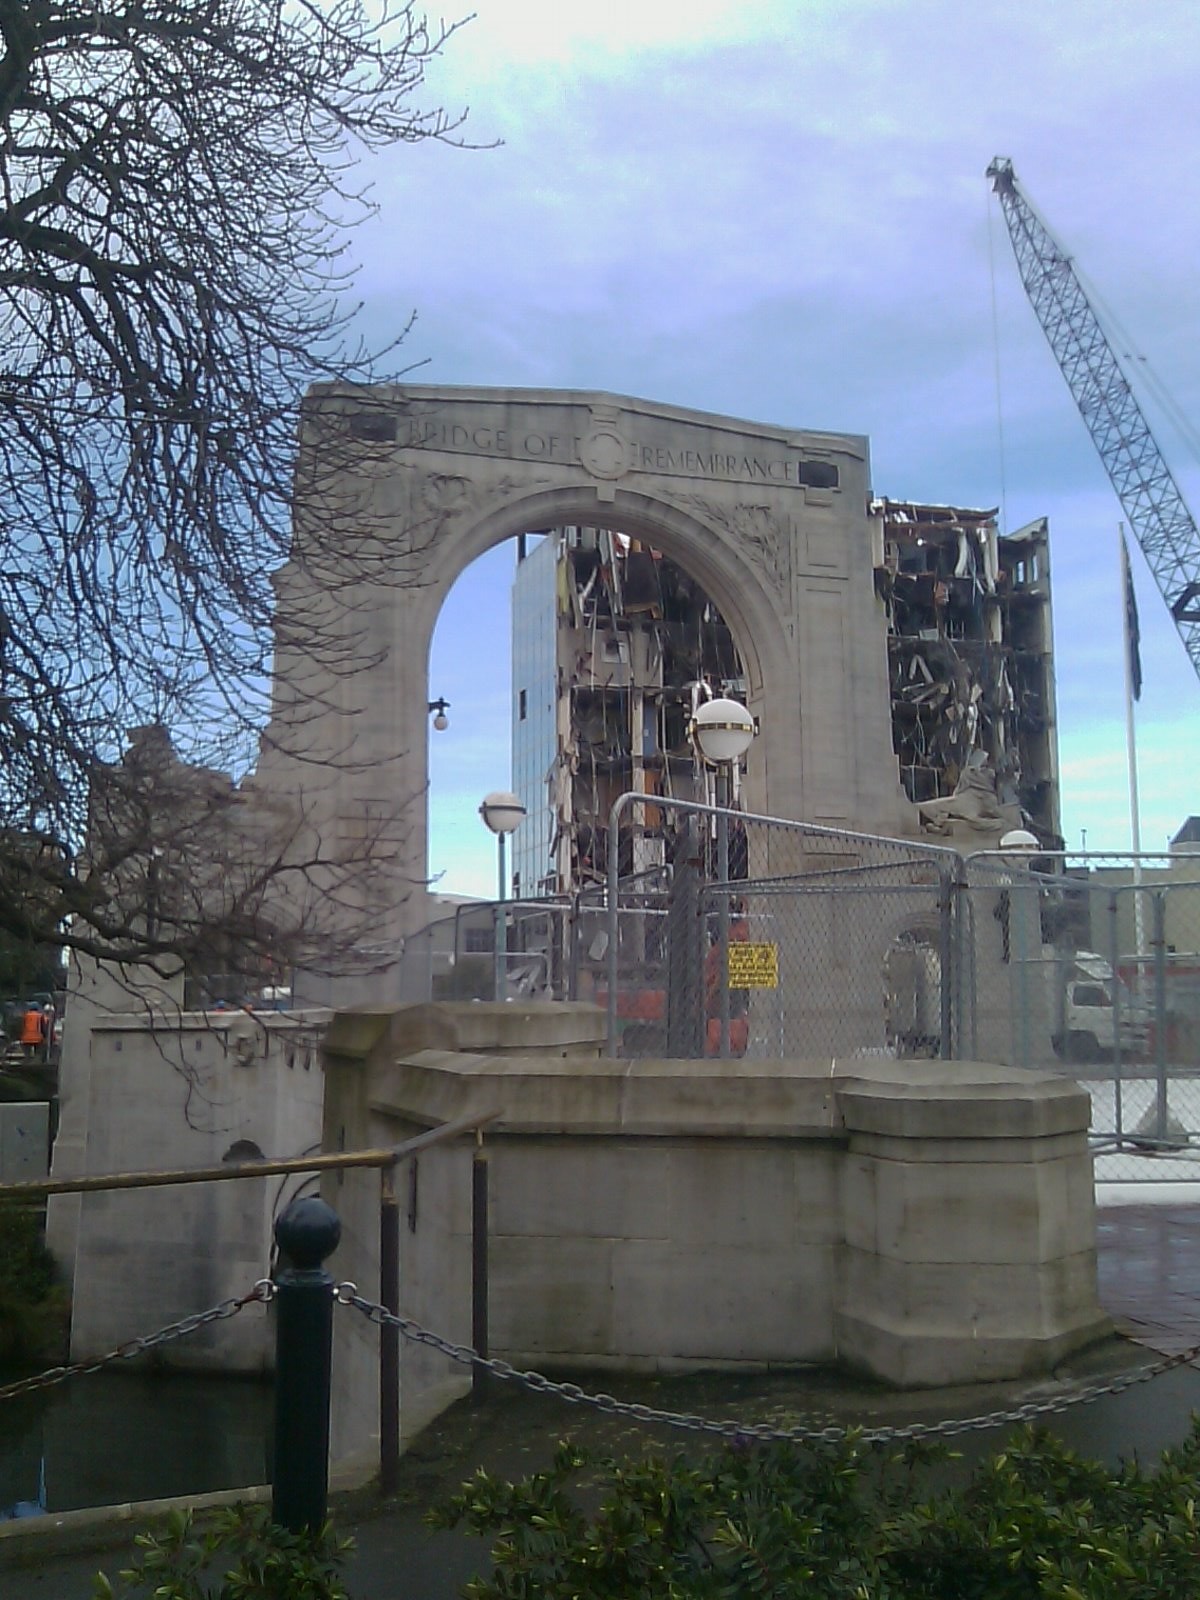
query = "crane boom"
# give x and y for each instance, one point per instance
(1157, 511)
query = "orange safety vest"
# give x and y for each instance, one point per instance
(33, 1027)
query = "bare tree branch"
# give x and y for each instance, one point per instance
(176, 196)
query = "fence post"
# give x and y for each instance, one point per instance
(500, 946)
(389, 1336)
(479, 1265)
(685, 963)
(573, 949)
(723, 801)
(1114, 962)
(306, 1233)
(1159, 946)
(948, 967)
(970, 967)
(612, 903)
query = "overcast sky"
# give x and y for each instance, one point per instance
(778, 211)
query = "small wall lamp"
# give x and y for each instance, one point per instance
(441, 721)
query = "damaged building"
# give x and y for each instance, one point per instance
(614, 646)
(970, 664)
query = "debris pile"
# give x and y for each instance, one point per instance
(969, 660)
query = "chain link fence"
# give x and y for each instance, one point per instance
(779, 939)
(772, 938)
(750, 936)
(1096, 959)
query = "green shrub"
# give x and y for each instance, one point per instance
(236, 1554)
(33, 1304)
(846, 1522)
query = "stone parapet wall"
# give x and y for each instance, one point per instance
(364, 1051)
(924, 1222)
(148, 1091)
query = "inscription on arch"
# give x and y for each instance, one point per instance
(607, 450)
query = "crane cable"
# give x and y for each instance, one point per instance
(996, 363)
(1125, 349)
(1134, 360)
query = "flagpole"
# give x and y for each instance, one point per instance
(1132, 690)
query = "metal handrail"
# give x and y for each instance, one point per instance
(383, 1158)
(384, 1161)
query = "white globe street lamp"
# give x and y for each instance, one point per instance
(1020, 842)
(723, 730)
(437, 710)
(503, 812)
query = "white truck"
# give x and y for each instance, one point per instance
(1084, 1027)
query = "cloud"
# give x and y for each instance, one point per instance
(778, 210)
(1095, 786)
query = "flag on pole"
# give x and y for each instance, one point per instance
(1133, 634)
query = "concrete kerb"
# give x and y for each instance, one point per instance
(352, 1488)
(62, 1533)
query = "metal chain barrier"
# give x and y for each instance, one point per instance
(262, 1292)
(1030, 1411)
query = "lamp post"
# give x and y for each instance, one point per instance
(1022, 846)
(723, 730)
(503, 813)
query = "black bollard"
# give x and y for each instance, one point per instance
(306, 1233)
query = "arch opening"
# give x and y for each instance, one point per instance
(613, 644)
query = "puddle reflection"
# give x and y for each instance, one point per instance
(112, 1438)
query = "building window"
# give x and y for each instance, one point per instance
(521, 705)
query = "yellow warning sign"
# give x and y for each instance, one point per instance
(753, 966)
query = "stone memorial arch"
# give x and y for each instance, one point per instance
(401, 487)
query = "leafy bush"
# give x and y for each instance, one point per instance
(237, 1554)
(32, 1302)
(847, 1522)
(27, 1270)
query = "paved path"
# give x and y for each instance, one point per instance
(1149, 1259)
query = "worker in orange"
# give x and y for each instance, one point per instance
(34, 1032)
(739, 999)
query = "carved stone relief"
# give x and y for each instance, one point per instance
(759, 535)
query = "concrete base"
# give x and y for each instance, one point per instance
(927, 1223)
(969, 1225)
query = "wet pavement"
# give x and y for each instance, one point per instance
(1149, 1282)
(1149, 1261)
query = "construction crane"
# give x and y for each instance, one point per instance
(1157, 511)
